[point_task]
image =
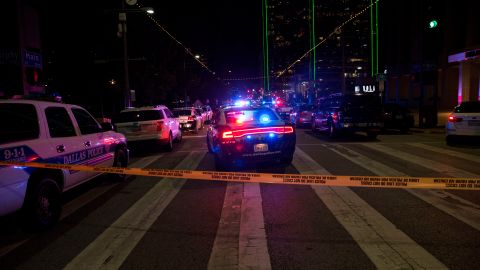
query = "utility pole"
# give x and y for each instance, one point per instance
(122, 17)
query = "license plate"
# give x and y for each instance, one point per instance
(261, 147)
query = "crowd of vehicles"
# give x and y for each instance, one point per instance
(238, 134)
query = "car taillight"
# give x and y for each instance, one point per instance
(191, 118)
(335, 116)
(159, 125)
(227, 135)
(452, 118)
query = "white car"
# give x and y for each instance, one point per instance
(50, 132)
(151, 123)
(463, 121)
(189, 118)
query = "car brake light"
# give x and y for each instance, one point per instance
(255, 131)
(453, 118)
(190, 118)
(335, 116)
(159, 125)
(227, 135)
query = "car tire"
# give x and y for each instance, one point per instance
(179, 137)
(43, 204)
(332, 131)
(120, 161)
(450, 140)
(372, 135)
(286, 159)
(169, 145)
(209, 146)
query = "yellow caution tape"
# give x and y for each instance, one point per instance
(272, 178)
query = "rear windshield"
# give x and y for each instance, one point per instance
(178, 113)
(19, 122)
(250, 115)
(137, 116)
(468, 107)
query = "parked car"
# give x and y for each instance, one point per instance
(150, 123)
(50, 132)
(340, 113)
(302, 115)
(464, 121)
(396, 116)
(242, 135)
(188, 118)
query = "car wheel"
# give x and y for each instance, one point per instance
(286, 159)
(209, 146)
(372, 135)
(43, 204)
(169, 145)
(332, 131)
(120, 161)
(450, 140)
(179, 136)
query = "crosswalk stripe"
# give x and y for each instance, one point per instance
(445, 169)
(111, 248)
(385, 245)
(241, 241)
(446, 151)
(451, 204)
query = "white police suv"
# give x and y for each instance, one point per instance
(50, 132)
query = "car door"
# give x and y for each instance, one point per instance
(94, 141)
(65, 142)
(172, 122)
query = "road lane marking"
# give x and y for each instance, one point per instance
(92, 194)
(83, 200)
(225, 249)
(111, 248)
(241, 241)
(385, 245)
(466, 156)
(450, 204)
(253, 253)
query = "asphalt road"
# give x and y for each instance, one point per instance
(153, 223)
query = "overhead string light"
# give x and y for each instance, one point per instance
(336, 30)
(187, 51)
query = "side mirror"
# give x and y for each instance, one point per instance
(106, 126)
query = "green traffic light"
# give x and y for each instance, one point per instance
(433, 24)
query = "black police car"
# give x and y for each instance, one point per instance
(244, 135)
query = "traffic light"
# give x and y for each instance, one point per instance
(433, 24)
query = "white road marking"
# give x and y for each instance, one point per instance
(445, 169)
(91, 195)
(253, 252)
(225, 251)
(447, 151)
(84, 199)
(111, 248)
(451, 204)
(385, 245)
(241, 241)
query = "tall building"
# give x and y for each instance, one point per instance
(339, 63)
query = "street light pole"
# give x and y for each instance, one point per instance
(123, 20)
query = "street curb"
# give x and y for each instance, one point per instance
(435, 130)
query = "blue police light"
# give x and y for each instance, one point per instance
(241, 103)
(249, 137)
(264, 119)
(271, 135)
